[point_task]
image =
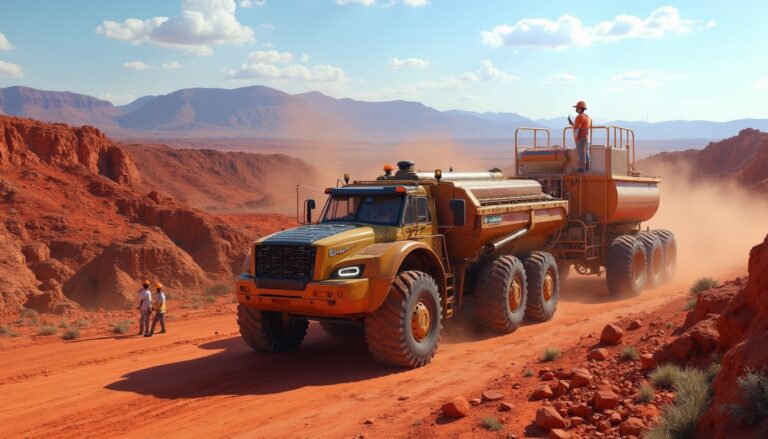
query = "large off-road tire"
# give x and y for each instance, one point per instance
(625, 266)
(669, 244)
(269, 331)
(654, 259)
(405, 330)
(500, 294)
(542, 274)
(342, 329)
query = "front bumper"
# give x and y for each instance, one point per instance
(328, 298)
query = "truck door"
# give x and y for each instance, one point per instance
(419, 223)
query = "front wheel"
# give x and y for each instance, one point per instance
(269, 331)
(405, 330)
(543, 286)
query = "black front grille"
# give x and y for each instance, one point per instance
(285, 262)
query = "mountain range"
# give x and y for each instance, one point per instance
(267, 113)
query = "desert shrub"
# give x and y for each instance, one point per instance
(7, 331)
(197, 302)
(210, 299)
(527, 373)
(47, 330)
(645, 394)
(752, 409)
(713, 369)
(29, 316)
(690, 305)
(629, 353)
(664, 376)
(703, 284)
(491, 423)
(82, 323)
(679, 419)
(72, 333)
(551, 354)
(63, 324)
(218, 290)
(121, 327)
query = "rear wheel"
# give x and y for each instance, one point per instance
(269, 331)
(543, 286)
(669, 245)
(654, 263)
(500, 294)
(405, 330)
(625, 266)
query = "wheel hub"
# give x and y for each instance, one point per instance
(420, 321)
(515, 294)
(548, 289)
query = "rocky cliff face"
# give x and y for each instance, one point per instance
(77, 226)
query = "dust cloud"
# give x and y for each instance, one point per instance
(716, 223)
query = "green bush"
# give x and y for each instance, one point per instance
(752, 409)
(665, 376)
(82, 323)
(551, 354)
(703, 284)
(47, 330)
(629, 353)
(29, 316)
(121, 327)
(7, 331)
(491, 423)
(645, 394)
(527, 373)
(71, 334)
(690, 305)
(63, 324)
(692, 399)
(218, 290)
(210, 299)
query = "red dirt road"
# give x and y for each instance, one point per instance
(201, 380)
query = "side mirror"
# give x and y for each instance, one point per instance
(309, 205)
(459, 209)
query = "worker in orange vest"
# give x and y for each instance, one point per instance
(581, 134)
(160, 309)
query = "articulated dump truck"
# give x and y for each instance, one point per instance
(395, 256)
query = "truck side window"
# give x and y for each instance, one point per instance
(422, 211)
(408, 218)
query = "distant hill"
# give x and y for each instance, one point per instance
(266, 113)
(56, 106)
(742, 158)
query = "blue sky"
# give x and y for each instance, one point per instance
(627, 59)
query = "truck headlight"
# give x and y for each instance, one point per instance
(350, 272)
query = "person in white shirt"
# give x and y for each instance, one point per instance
(145, 307)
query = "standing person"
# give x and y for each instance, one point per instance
(159, 306)
(145, 307)
(581, 130)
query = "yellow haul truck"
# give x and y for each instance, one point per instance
(398, 254)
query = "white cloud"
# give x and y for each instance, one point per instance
(644, 78)
(4, 43)
(761, 84)
(411, 63)
(10, 70)
(136, 65)
(568, 31)
(416, 3)
(270, 56)
(296, 72)
(488, 72)
(251, 3)
(561, 77)
(200, 25)
(173, 65)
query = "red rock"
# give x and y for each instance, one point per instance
(557, 433)
(603, 426)
(548, 418)
(562, 388)
(576, 421)
(632, 426)
(605, 400)
(695, 346)
(635, 324)
(582, 410)
(506, 406)
(580, 378)
(36, 252)
(544, 370)
(493, 395)
(614, 418)
(611, 335)
(458, 407)
(548, 376)
(709, 302)
(647, 362)
(599, 354)
(543, 392)
(475, 401)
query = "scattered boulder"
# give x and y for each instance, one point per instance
(635, 324)
(599, 354)
(493, 395)
(580, 377)
(557, 433)
(615, 418)
(611, 335)
(647, 362)
(694, 347)
(581, 410)
(548, 418)
(543, 392)
(576, 421)
(562, 388)
(547, 376)
(605, 400)
(506, 407)
(632, 426)
(457, 407)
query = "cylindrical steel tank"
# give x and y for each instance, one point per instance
(632, 201)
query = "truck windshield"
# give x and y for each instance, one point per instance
(379, 209)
